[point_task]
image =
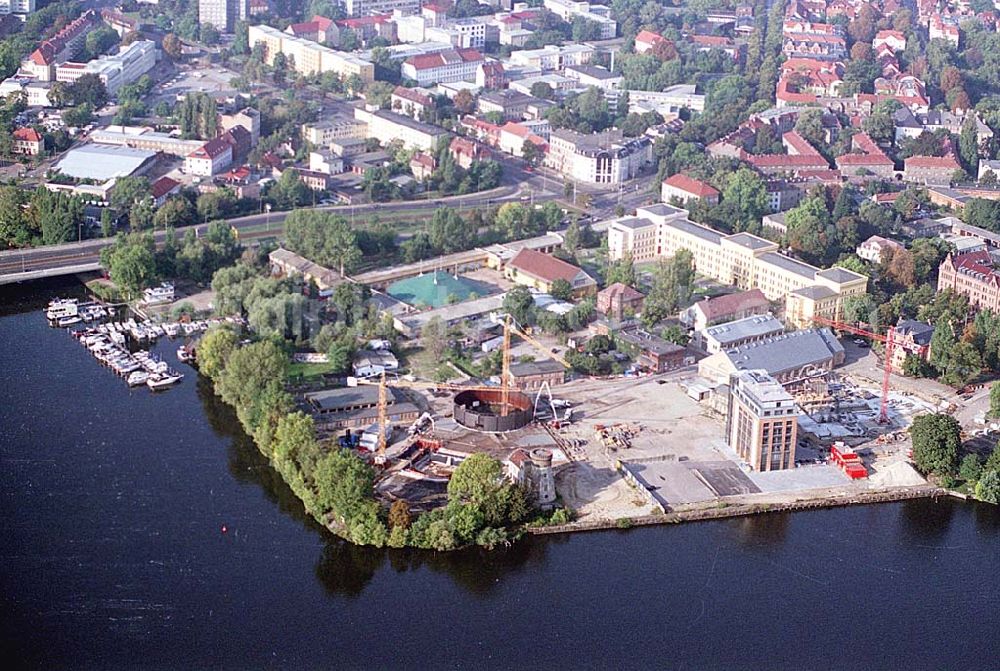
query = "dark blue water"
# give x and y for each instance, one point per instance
(112, 556)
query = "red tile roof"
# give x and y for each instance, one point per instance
(648, 37)
(27, 135)
(691, 186)
(730, 304)
(627, 293)
(441, 58)
(542, 266)
(211, 149)
(163, 186)
(948, 162)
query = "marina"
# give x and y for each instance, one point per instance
(122, 345)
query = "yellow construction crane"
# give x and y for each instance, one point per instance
(506, 382)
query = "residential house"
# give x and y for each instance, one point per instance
(875, 248)
(727, 308)
(910, 338)
(619, 300)
(162, 189)
(27, 142)
(466, 152)
(414, 103)
(211, 158)
(685, 189)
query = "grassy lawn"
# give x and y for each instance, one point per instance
(308, 371)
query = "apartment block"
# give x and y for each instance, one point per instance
(309, 57)
(387, 126)
(322, 133)
(364, 7)
(761, 421)
(223, 14)
(598, 158)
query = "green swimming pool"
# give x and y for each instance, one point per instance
(437, 289)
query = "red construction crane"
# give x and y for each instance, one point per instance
(890, 344)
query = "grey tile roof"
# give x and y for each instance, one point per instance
(790, 264)
(633, 223)
(838, 274)
(692, 228)
(742, 329)
(786, 352)
(749, 241)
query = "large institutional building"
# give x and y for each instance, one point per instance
(761, 421)
(741, 260)
(309, 57)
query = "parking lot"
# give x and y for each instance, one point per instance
(208, 80)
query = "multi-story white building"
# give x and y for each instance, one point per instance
(553, 57)
(145, 138)
(741, 260)
(453, 65)
(365, 7)
(223, 14)
(36, 93)
(307, 56)
(114, 70)
(19, 7)
(386, 126)
(600, 158)
(599, 14)
(212, 157)
(322, 133)
(663, 102)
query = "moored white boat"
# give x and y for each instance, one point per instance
(163, 380)
(138, 378)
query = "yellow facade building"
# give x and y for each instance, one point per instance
(742, 260)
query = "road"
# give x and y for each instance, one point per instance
(23, 264)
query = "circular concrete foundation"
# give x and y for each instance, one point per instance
(480, 409)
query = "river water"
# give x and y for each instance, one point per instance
(113, 504)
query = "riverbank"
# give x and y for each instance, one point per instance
(717, 511)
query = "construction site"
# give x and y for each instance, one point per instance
(628, 447)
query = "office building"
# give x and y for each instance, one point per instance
(114, 70)
(761, 421)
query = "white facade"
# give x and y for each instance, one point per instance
(223, 14)
(214, 157)
(36, 93)
(309, 57)
(451, 67)
(681, 95)
(365, 7)
(17, 6)
(551, 57)
(599, 14)
(115, 70)
(602, 158)
(387, 125)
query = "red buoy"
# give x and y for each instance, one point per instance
(224, 530)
